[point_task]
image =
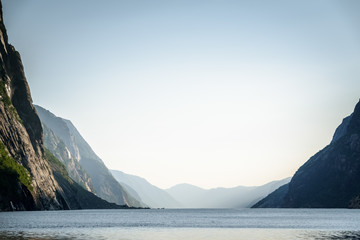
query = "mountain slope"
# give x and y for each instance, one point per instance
(28, 178)
(274, 199)
(76, 197)
(329, 179)
(190, 196)
(147, 193)
(79, 150)
(21, 138)
(62, 153)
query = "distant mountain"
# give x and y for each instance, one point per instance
(329, 179)
(147, 193)
(83, 165)
(190, 196)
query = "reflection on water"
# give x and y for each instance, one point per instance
(180, 234)
(330, 235)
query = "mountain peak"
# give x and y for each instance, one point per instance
(354, 124)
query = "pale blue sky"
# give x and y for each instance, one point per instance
(213, 93)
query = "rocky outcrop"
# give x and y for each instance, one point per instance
(60, 131)
(30, 177)
(329, 179)
(21, 132)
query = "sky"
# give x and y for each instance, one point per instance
(215, 93)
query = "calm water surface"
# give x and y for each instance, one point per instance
(167, 224)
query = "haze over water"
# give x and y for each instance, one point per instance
(173, 86)
(165, 224)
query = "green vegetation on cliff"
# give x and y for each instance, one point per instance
(7, 101)
(3, 96)
(76, 197)
(11, 171)
(55, 164)
(66, 143)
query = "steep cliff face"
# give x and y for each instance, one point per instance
(31, 178)
(329, 179)
(21, 133)
(102, 180)
(61, 152)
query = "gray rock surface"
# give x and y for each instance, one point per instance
(61, 152)
(63, 131)
(30, 177)
(21, 132)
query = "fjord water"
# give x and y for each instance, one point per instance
(176, 224)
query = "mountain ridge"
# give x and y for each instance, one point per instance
(62, 153)
(147, 192)
(330, 178)
(191, 196)
(103, 183)
(30, 177)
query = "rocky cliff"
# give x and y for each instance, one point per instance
(329, 179)
(64, 141)
(63, 154)
(30, 177)
(21, 136)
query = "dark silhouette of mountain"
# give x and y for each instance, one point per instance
(329, 179)
(274, 199)
(83, 165)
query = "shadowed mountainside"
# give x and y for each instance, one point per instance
(329, 179)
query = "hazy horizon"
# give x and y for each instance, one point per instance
(209, 93)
